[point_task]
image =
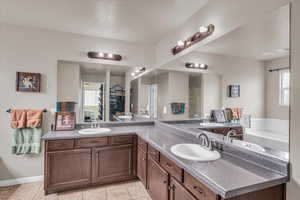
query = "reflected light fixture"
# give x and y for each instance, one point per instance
(196, 66)
(138, 71)
(180, 43)
(106, 56)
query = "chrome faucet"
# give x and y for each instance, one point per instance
(205, 140)
(230, 134)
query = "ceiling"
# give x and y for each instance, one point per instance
(140, 21)
(262, 40)
(96, 68)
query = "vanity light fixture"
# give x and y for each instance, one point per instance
(106, 56)
(203, 32)
(180, 43)
(203, 29)
(138, 71)
(196, 66)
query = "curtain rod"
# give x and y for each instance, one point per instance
(278, 69)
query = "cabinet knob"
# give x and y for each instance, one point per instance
(199, 190)
(169, 165)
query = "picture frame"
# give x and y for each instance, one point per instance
(28, 82)
(65, 121)
(234, 91)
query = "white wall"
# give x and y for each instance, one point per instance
(293, 188)
(162, 81)
(37, 50)
(69, 84)
(179, 93)
(247, 73)
(273, 109)
(211, 93)
(195, 96)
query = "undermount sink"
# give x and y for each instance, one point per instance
(194, 152)
(128, 117)
(211, 124)
(91, 131)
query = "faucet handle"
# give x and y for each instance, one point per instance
(214, 144)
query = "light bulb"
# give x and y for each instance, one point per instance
(202, 66)
(196, 65)
(110, 55)
(137, 70)
(132, 74)
(180, 43)
(203, 29)
(100, 54)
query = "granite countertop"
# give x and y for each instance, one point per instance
(227, 177)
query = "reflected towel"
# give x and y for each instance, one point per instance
(27, 141)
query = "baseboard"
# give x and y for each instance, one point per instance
(18, 181)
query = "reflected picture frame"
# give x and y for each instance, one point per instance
(65, 121)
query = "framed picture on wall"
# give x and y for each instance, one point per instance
(65, 121)
(28, 82)
(234, 91)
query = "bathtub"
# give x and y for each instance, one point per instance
(273, 133)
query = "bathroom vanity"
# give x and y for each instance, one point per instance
(74, 160)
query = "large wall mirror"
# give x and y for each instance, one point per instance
(248, 73)
(246, 84)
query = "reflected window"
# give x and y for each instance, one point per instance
(284, 93)
(93, 101)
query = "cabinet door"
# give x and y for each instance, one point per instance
(111, 164)
(178, 192)
(158, 181)
(142, 166)
(67, 169)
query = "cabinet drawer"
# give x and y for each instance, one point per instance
(121, 139)
(153, 153)
(59, 145)
(171, 167)
(91, 142)
(142, 144)
(197, 188)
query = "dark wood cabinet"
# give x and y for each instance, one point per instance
(178, 192)
(158, 181)
(76, 163)
(198, 189)
(272, 193)
(171, 168)
(113, 163)
(142, 166)
(67, 169)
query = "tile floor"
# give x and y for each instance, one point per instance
(34, 191)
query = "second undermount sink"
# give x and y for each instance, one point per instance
(247, 145)
(91, 131)
(194, 152)
(211, 124)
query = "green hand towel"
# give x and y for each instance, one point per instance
(27, 141)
